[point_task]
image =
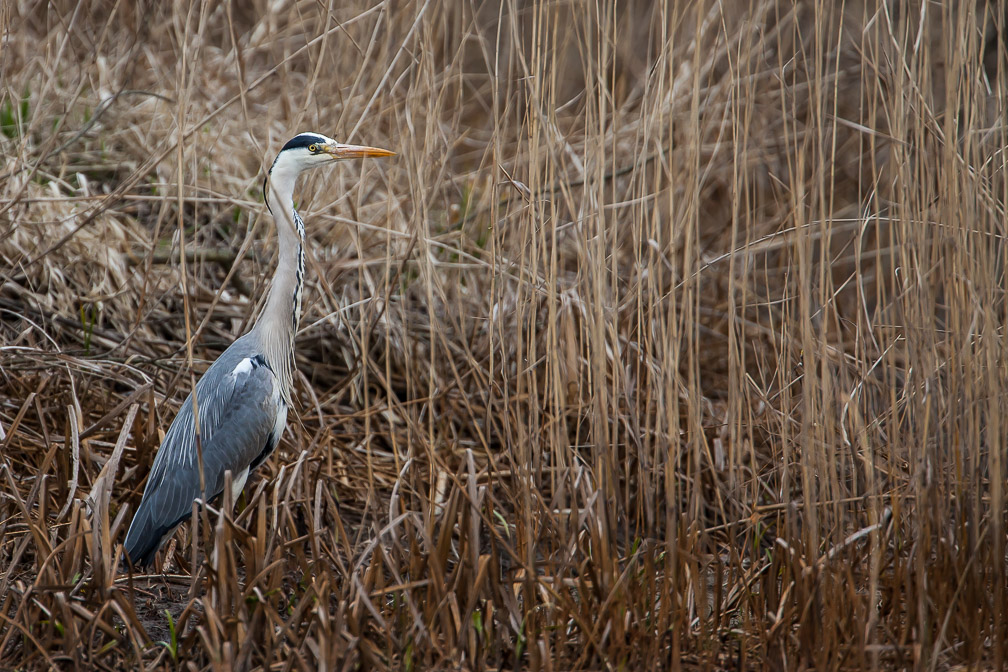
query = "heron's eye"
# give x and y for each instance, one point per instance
(312, 148)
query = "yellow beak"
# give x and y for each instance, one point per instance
(338, 151)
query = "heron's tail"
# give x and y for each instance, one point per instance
(145, 536)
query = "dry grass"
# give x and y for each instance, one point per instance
(674, 336)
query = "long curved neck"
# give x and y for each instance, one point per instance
(279, 319)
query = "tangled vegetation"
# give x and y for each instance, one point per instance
(673, 337)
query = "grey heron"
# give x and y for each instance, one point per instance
(242, 399)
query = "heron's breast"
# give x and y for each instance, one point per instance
(280, 423)
(277, 402)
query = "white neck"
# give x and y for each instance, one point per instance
(279, 319)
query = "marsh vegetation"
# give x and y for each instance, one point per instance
(674, 336)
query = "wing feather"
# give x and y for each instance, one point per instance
(238, 409)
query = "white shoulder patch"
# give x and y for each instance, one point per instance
(244, 366)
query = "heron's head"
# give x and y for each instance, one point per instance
(308, 150)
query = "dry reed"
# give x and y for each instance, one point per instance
(672, 338)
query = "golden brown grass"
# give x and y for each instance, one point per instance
(674, 336)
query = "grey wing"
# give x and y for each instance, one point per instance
(242, 414)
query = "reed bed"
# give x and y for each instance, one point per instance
(672, 338)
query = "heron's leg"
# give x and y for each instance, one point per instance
(237, 484)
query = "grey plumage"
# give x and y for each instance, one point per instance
(244, 396)
(241, 418)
